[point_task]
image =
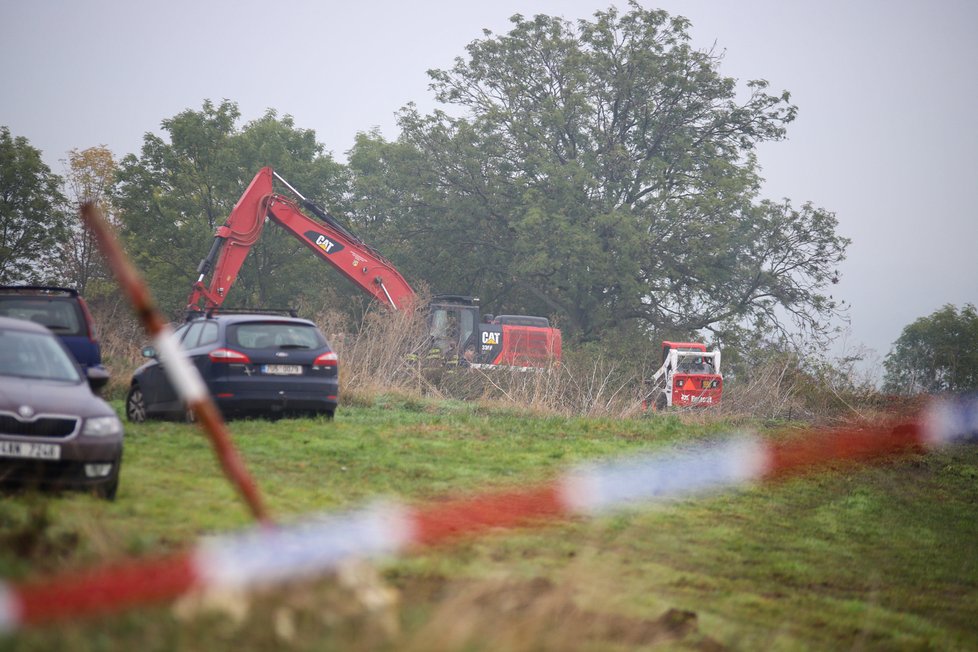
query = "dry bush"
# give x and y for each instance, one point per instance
(784, 387)
(771, 392)
(386, 353)
(380, 352)
(574, 386)
(121, 337)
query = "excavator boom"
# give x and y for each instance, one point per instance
(325, 237)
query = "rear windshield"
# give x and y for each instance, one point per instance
(35, 355)
(61, 315)
(275, 335)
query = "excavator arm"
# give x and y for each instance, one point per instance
(324, 236)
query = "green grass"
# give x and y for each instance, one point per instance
(868, 558)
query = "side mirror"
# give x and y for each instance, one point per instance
(98, 377)
(148, 351)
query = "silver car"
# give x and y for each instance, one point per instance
(54, 431)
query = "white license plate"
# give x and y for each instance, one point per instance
(282, 369)
(30, 450)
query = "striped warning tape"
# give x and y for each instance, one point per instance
(266, 555)
(182, 374)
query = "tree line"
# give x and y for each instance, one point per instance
(602, 173)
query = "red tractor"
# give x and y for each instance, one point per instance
(689, 377)
(458, 330)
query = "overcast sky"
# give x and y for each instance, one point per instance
(886, 136)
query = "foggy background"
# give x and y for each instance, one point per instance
(885, 135)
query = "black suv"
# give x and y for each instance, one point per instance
(64, 312)
(254, 364)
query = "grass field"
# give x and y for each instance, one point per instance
(851, 558)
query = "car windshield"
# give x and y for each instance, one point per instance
(35, 355)
(275, 335)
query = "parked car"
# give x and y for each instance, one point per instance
(63, 311)
(254, 364)
(54, 431)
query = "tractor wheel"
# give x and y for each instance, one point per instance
(660, 403)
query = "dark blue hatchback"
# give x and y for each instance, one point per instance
(254, 364)
(63, 311)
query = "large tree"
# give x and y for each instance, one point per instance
(89, 177)
(32, 212)
(171, 198)
(605, 173)
(937, 353)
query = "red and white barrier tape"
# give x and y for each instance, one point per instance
(183, 376)
(266, 555)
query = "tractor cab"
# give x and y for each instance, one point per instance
(689, 377)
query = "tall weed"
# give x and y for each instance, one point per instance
(385, 352)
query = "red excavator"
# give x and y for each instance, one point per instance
(458, 330)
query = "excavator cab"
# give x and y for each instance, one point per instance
(452, 323)
(463, 336)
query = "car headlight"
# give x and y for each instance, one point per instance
(102, 426)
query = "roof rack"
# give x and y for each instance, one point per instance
(47, 289)
(282, 312)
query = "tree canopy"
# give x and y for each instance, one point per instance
(172, 197)
(937, 353)
(80, 264)
(32, 212)
(603, 173)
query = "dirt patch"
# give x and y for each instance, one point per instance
(532, 615)
(33, 537)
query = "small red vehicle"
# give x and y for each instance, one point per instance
(689, 377)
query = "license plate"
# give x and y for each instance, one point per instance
(282, 369)
(30, 450)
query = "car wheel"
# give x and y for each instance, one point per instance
(135, 405)
(108, 490)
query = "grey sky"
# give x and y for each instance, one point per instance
(886, 135)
